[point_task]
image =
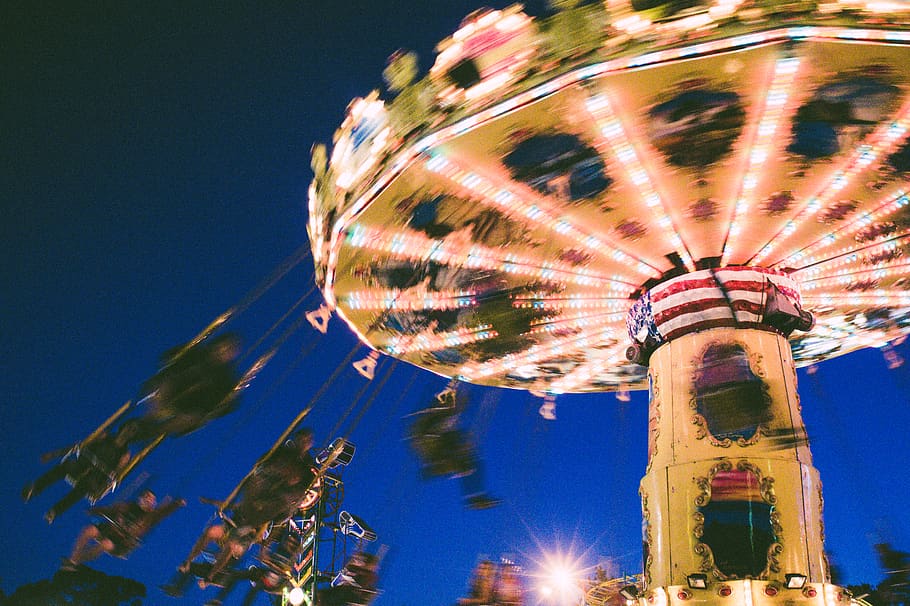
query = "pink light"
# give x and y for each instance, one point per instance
(433, 341)
(615, 135)
(413, 245)
(535, 209)
(885, 138)
(890, 205)
(785, 70)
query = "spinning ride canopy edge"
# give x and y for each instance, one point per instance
(497, 220)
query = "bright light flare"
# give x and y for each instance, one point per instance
(560, 580)
(563, 579)
(296, 596)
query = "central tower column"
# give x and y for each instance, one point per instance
(732, 506)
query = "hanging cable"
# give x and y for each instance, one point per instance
(372, 398)
(279, 272)
(280, 320)
(272, 387)
(251, 410)
(482, 420)
(381, 431)
(350, 409)
(289, 263)
(290, 429)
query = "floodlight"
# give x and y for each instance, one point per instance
(630, 592)
(296, 596)
(340, 451)
(351, 525)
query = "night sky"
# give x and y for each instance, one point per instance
(154, 169)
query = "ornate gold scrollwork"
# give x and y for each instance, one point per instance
(704, 483)
(653, 420)
(707, 561)
(799, 404)
(703, 498)
(756, 366)
(765, 485)
(646, 520)
(774, 552)
(821, 511)
(699, 529)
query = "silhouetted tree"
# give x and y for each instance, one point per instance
(412, 107)
(575, 29)
(895, 587)
(866, 592)
(81, 587)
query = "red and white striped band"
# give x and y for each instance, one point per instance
(709, 298)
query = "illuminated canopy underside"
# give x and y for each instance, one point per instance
(507, 248)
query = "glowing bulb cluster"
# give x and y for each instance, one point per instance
(433, 341)
(614, 134)
(882, 141)
(773, 110)
(413, 245)
(891, 205)
(410, 300)
(365, 137)
(534, 212)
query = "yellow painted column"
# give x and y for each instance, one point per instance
(730, 492)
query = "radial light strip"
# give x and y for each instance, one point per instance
(535, 213)
(772, 111)
(845, 332)
(412, 245)
(845, 278)
(876, 254)
(885, 138)
(576, 322)
(584, 374)
(572, 301)
(435, 341)
(876, 298)
(891, 205)
(613, 132)
(538, 353)
(412, 299)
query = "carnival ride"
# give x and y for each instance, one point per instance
(694, 198)
(691, 199)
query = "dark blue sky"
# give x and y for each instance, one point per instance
(155, 161)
